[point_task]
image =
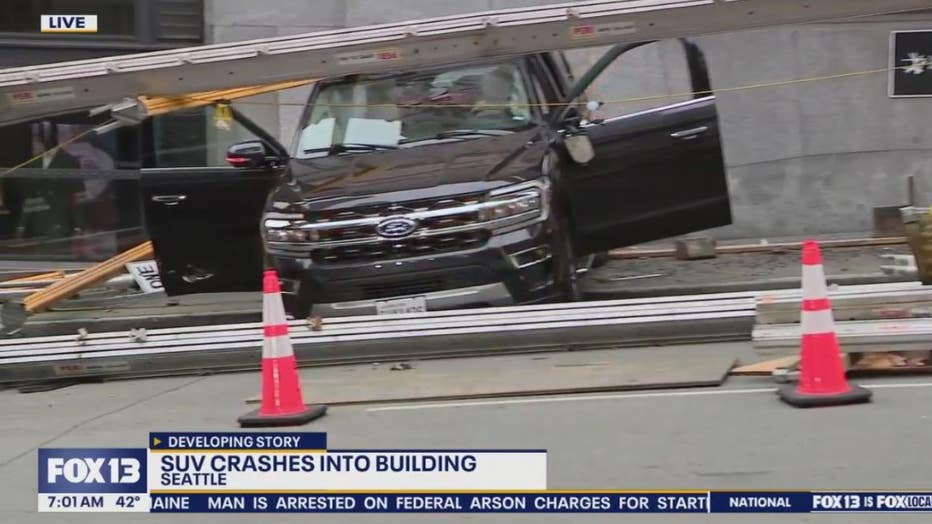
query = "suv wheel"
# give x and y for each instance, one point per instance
(565, 274)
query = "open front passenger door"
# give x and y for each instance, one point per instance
(658, 169)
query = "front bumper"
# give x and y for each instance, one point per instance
(490, 275)
(492, 294)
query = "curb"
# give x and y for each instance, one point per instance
(739, 249)
(732, 287)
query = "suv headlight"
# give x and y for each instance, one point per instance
(526, 201)
(289, 230)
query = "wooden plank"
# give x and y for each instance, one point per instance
(762, 248)
(95, 274)
(52, 275)
(766, 367)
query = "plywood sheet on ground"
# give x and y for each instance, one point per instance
(520, 375)
(766, 367)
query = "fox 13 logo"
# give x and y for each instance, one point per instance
(102, 470)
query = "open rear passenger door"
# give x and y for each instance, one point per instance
(658, 168)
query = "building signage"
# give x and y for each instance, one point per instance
(911, 63)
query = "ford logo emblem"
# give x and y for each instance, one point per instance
(396, 227)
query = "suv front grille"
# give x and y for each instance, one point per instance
(384, 249)
(361, 242)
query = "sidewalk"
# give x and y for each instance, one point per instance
(659, 276)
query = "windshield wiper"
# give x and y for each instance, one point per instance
(457, 133)
(343, 148)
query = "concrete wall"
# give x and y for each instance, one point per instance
(236, 20)
(818, 156)
(805, 158)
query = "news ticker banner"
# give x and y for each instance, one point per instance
(298, 473)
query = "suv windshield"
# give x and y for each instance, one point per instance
(368, 114)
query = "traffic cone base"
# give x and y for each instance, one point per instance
(254, 419)
(855, 395)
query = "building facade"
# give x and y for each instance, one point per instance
(808, 157)
(81, 203)
(803, 158)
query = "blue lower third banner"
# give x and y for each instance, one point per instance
(300, 473)
(536, 502)
(577, 502)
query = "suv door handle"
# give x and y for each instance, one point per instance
(169, 200)
(689, 134)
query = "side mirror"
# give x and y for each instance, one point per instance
(579, 148)
(252, 153)
(573, 118)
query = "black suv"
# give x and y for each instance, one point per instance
(476, 184)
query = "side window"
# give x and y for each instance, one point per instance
(647, 77)
(194, 138)
(539, 97)
(517, 99)
(540, 92)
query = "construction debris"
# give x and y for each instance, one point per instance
(137, 335)
(880, 329)
(918, 225)
(908, 300)
(786, 375)
(767, 367)
(903, 360)
(41, 277)
(887, 222)
(630, 277)
(95, 274)
(785, 370)
(900, 265)
(695, 248)
(44, 289)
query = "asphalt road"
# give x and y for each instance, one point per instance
(736, 436)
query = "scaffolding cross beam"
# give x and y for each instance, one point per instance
(30, 92)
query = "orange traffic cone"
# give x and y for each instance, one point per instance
(822, 380)
(282, 403)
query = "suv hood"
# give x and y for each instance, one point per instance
(435, 170)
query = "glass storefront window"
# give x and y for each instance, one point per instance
(114, 17)
(79, 202)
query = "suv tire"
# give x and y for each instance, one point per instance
(565, 275)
